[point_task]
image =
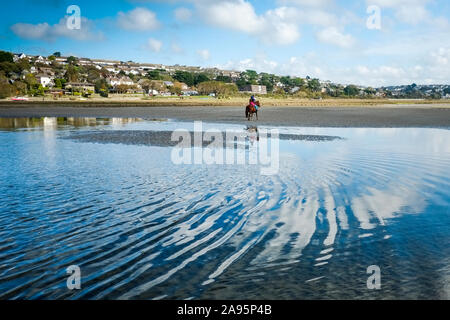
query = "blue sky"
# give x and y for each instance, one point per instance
(328, 39)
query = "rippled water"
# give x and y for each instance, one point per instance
(142, 227)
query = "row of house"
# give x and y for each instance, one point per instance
(130, 67)
(45, 75)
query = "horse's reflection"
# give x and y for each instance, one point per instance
(252, 134)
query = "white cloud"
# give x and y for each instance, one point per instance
(406, 46)
(433, 68)
(278, 26)
(411, 11)
(412, 14)
(236, 15)
(334, 36)
(274, 27)
(441, 57)
(139, 19)
(204, 54)
(154, 45)
(182, 14)
(47, 32)
(317, 17)
(259, 63)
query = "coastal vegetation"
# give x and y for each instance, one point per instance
(71, 77)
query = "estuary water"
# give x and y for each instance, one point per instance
(106, 195)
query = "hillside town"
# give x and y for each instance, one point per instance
(57, 75)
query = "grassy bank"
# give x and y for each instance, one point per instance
(127, 100)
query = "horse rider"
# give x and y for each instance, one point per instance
(252, 102)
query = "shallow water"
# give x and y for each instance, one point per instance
(82, 192)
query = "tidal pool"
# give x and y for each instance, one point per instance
(105, 195)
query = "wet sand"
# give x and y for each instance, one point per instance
(164, 138)
(379, 116)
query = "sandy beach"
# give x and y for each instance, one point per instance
(414, 115)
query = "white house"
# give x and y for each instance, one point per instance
(295, 89)
(61, 60)
(45, 80)
(120, 81)
(113, 70)
(133, 71)
(18, 56)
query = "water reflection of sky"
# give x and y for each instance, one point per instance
(165, 230)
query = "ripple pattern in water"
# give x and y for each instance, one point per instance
(141, 227)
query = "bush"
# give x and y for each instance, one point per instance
(5, 90)
(6, 56)
(217, 87)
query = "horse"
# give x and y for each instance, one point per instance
(251, 110)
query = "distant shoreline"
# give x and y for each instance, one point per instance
(381, 116)
(224, 102)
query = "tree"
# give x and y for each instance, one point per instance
(30, 80)
(435, 95)
(157, 85)
(5, 90)
(72, 60)
(225, 79)
(184, 76)
(200, 77)
(175, 89)
(9, 68)
(351, 90)
(298, 82)
(72, 74)
(153, 75)
(57, 54)
(23, 64)
(314, 85)
(146, 85)
(92, 74)
(123, 88)
(250, 75)
(218, 88)
(6, 56)
(241, 82)
(60, 83)
(51, 58)
(266, 81)
(20, 87)
(40, 91)
(286, 80)
(101, 85)
(370, 91)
